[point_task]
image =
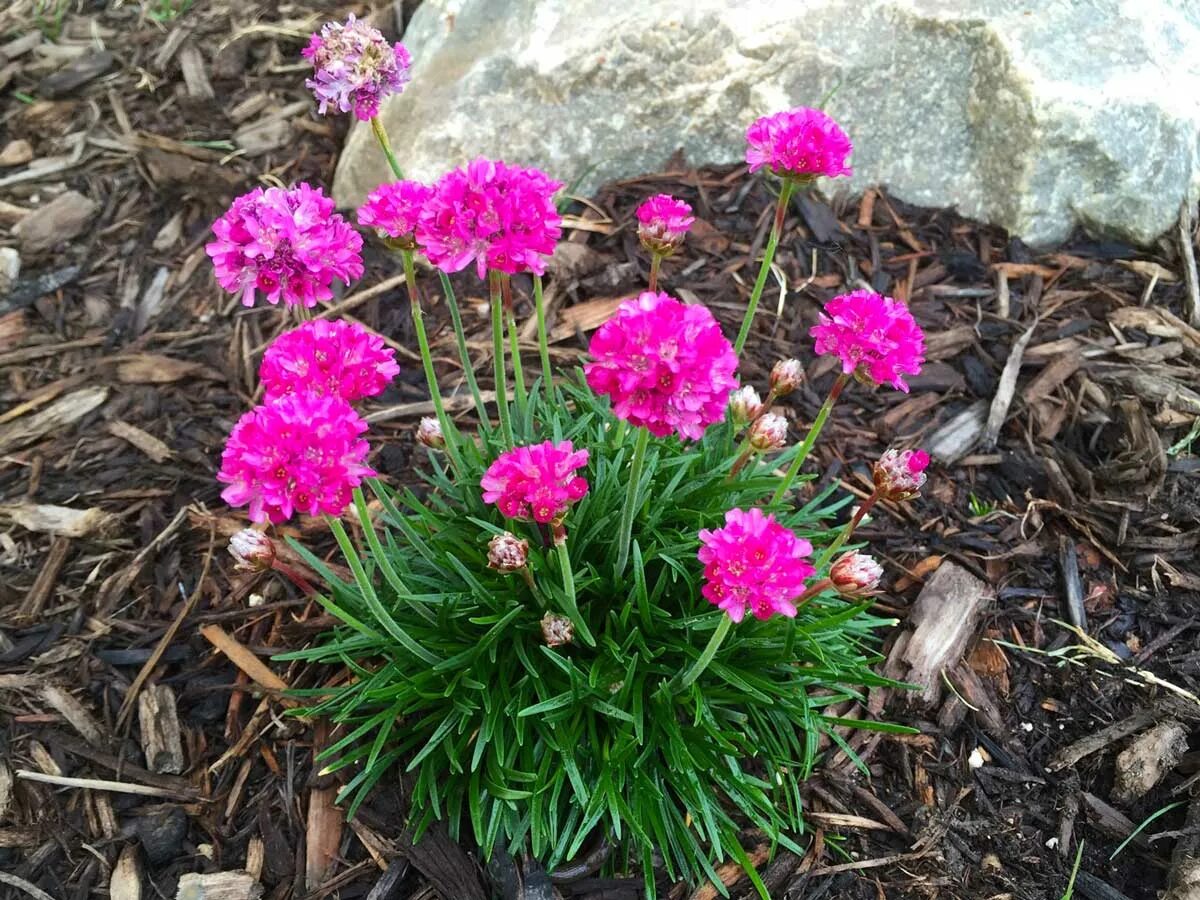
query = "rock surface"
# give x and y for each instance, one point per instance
(1033, 116)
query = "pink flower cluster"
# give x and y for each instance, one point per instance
(798, 143)
(753, 563)
(289, 244)
(503, 217)
(354, 68)
(394, 208)
(664, 364)
(536, 482)
(875, 337)
(662, 223)
(299, 453)
(899, 474)
(335, 358)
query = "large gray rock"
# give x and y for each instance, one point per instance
(1033, 116)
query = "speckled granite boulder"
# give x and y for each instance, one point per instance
(1033, 116)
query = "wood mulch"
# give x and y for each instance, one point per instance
(1045, 583)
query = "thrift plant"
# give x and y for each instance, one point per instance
(610, 620)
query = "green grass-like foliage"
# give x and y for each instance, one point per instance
(548, 748)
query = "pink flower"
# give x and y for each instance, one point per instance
(899, 474)
(289, 244)
(662, 223)
(536, 482)
(798, 143)
(753, 563)
(252, 551)
(297, 453)
(664, 364)
(786, 376)
(507, 553)
(340, 359)
(393, 209)
(503, 217)
(855, 574)
(875, 337)
(354, 68)
(767, 432)
(745, 405)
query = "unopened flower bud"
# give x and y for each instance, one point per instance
(899, 474)
(855, 574)
(745, 405)
(429, 434)
(786, 376)
(662, 223)
(769, 432)
(557, 630)
(508, 553)
(252, 550)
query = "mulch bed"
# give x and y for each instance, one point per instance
(124, 367)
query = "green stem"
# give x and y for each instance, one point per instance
(501, 377)
(631, 498)
(464, 355)
(844, 535)
(381, 136)
(785, 194)
(810, 438)
(543, 340)
(514, 348)
(706, 656)
(655, 262)
(570, 605)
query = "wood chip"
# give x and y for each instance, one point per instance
(58, 520)
(1098, 740)
(1147, 759)
(16, 153)
(75, 713)
(126, 881)
(957, 437)
(46, 581)
(323, 836)
(243, 658)
(158, 720)
(195, 75)
(55, 223)
(155, 368)
(53, 419)
(147, 443)
(218, 886)
(998, 411)
(1060, 369)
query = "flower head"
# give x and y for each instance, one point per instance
(855, 574)
(662, 223)
(899, 474)
(786, 376)
(798, 143)
(557, 630)
(503, 217)
(289, 244)
(768, 432)
(252, 550)
(665, 365)
(297, 453)
(393, 209)
(536, 482)
(354, 67)
(753, 563)
(875, 337)
(341, 359)
(507, 553)
(745, 405)
(429, 433)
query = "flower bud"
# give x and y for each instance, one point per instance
(786, 376)
(508, 553)
(557, 630)
(252, 551)
(768, 432)
(899, 474)
(855, 574)
(429, 434)
(662, 223)
(745, 405)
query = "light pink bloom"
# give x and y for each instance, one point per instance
(507, 553)
(745, 405)
(753, 563)
(664, 364)
(354, 68)
(798, 143)
(786, 376)
(662, 223)
(252, 550)
(899, 474)
(768, 432)
(429, 433)
(289, 244)
(557, 630)
(855, 574)
(875, 337)
(341, 359)
(298, 453)
(501, 217)
(394, 208)
(536, 482)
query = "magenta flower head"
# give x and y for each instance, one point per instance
(875, 337)
(753, 563)
(297, 453)
(799, 143)
(664, 364)
(335, 358)
(354, 67)
(536, 482)
(393, 210)
(855, 574)
(662, 223)
(899, 474)
(287, 243)
(503, 217)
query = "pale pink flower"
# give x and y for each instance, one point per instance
(252, 550)
(753, 563)
(875, 337)
(507, 553)
(662, 223)
(394, 208)
(536, 482)
(855, 574)
(338, 358)
(786, 376)
(429, 433)
(768, 432)
(557, 630)
(354, 67)
(745, 405)
(501, 217)
(665, 365)
(298, 453)
(798, 143)
(289, 244)
(899, 474)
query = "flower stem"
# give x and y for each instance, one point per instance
(464, 355)
(785, 194)
(381, 136)
(543, 341)
(631, 497)
(706, 656)
(844, 536)
(514, 347)
(570, 606)
(655, 262)
(501, 377)
(810, 438)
